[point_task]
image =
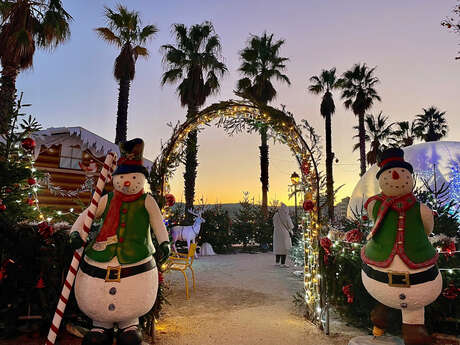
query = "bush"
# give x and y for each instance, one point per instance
(216, 229)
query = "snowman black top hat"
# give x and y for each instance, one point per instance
(131, 158)
(392, 158)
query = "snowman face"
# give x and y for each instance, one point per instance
(396, 181)
(131, 183)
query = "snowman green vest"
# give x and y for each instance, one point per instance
(133, 241)
(398, 230)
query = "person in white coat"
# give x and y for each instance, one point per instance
(282, 232)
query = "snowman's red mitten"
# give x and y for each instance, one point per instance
(75, 240)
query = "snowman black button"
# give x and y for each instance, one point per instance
(111, 307)
(113, 291)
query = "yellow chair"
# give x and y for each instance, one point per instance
(180, 262)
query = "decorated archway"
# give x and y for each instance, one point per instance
(285, 130)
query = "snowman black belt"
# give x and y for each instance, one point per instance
(401, 279)
(115, 273)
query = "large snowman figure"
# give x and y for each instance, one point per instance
(399, 262)
(118, 279)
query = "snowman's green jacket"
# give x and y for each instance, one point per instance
(412, 244)
(133, 234)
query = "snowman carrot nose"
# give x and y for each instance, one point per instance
(127, 184)
(394, 175)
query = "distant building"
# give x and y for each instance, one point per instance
(340, 210)
(71, 158)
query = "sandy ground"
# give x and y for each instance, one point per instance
(240, 299)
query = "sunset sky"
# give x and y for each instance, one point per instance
(414, 55)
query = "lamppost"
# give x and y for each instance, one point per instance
(295, 181)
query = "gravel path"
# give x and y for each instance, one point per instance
(240, 299)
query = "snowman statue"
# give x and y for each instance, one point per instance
(118, 279)
(399, 263)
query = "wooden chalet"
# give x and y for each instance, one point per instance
(71, 158)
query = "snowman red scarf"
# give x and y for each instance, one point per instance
(399, 204)
(112, 220)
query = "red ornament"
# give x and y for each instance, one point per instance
(170, 200)
(451, 291)
(8, 190)
(28, 144)
(449, 249)
(326, 244)
(40, 283)
(365, 218)
(161, 279)
(30, 202)
(308, 205)
(45, 230)
(346, 289)
(2, 207)
(31, 181)
(305, 167)
(354, 236)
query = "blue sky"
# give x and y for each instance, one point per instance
(414, 55)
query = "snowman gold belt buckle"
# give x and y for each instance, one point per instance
(116, 271)
(405, 280)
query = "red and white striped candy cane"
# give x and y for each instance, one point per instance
(106, 173)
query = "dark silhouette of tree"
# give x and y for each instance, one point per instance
(359, 94)
(260, 64)
(194, 62)
(25, 25)
(431, 125)
(325, 83)
(125, 32)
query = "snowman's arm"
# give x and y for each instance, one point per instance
(427, 218)
(370, 209)
(156, 219)
(78, 225)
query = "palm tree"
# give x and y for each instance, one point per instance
(378, 132)
(260, 64)
(25, 25)
(124, 31)
(404, 134)
(359, 94)
(326, 82)
(431, 125)
(194, 62)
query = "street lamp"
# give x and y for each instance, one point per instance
(295, 181)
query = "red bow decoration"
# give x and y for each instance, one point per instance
(451, 291)
(40, 283)
(45, 230)
(326, 244)
(354, 236)
(170, 200)
(449, 248)
(348, 292)
(305, 167)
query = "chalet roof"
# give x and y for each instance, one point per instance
(69, 136)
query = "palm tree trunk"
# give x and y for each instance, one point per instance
(329, 176)
(264, 162)
(122, 112)
(362, 143)
(191, 163)
(7, 96)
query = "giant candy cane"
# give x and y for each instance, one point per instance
(106, 172)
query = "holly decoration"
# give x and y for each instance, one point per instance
(451, 291)
(308, 205)
(28, 144)
(170, 200)
(45, 229)
(449, 249)
(353, 236)
(40, 283)
(31, 181)
(346, 289)
(305, 167)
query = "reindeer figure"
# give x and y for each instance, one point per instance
(187, 233)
